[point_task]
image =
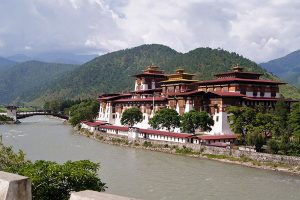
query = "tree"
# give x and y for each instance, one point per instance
(294, 121)
(263, 125)
(281, 111)
(267, 123)
(256, 138)
(240, 118)
(86, 110)
(165, 118)
(193, 120)
(131, 116)
(51, 180)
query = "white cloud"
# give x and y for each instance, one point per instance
(259, 30)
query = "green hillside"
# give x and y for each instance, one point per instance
(5, 63)
(287, 68)
(111, 72)
(26, 81)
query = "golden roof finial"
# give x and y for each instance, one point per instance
(237, 68)
(179, 70)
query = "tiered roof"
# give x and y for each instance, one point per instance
(113, 96)
(150, 99)
(237, 75)
(238, 72)
(151, 70)
(180, 77)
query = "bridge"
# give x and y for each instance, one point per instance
(15, 114)
(24, 114)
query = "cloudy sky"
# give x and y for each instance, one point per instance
(259, 30)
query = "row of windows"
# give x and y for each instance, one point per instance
(166, 137)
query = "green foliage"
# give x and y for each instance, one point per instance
(2, 110)
(294, 121)
(165, 118)
(273, 146)
(184, 150)
(239, 119)
(282, 113)
(119, 140)
(86, 110)
(60, 106)
(131, 116)
(267, 123)
(25, 109)
(9, 158)
(51, 180)
(147, 144)
(193, 120)
(256, 138)
(4, 118)
(253, 126)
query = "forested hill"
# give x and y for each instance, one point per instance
(112, 72)
(287, 67)
(5, 63)
(26, 81)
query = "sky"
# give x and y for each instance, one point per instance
(258, 30)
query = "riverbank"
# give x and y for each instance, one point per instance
(204, 152)
(9, 122)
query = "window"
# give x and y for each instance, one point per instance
(273, 94)
(262, 93)
(255, 93)
(243, 90)
(217, 118)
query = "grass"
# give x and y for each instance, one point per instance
(2, 110)
(185, 150)
(147, 144)
(25, 109)
(225, 157)
(119, 141)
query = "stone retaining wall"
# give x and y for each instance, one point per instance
(160, 146)
(264, 157)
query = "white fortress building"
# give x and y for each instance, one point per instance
(153, 90)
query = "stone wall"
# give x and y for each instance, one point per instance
(264, 157)
(159, 146)
(14, 187)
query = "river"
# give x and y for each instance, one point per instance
(149, 175)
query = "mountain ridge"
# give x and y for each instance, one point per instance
(111, 72)
(25, 81)
(286, 67)
(5, 63)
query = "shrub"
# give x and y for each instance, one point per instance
(184, 150)
(51, 180)
(273, 146)
(147, 144)
(4, 118)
